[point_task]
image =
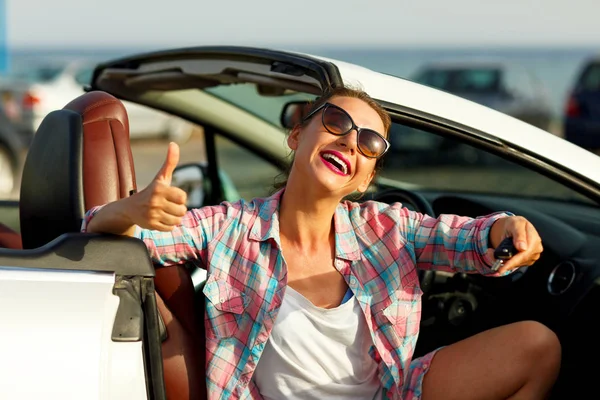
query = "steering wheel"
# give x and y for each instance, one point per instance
(404, 196)
(421, 205)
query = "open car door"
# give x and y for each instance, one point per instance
(80, 321)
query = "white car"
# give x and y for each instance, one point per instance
(86, 316)
(51, 85)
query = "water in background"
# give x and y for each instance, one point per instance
(555, 68)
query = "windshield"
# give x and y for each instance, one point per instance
(472, 80)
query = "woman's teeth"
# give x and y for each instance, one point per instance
(337, 162)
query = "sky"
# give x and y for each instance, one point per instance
(401, 23)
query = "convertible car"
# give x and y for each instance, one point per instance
(88, 316)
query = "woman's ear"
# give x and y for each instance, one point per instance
(293, 137)
(362, 188)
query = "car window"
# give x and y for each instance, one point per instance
(425, 160)
(243, 171)
(84, 76)
(590, 80)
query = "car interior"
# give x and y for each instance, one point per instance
(430, 169)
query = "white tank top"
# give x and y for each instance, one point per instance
(317, 353)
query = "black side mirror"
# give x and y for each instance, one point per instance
(293, 113)
(190, 178)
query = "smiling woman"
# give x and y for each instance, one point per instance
(316, 236)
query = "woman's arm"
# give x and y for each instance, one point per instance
(453, 243)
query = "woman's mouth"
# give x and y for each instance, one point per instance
(336, 162)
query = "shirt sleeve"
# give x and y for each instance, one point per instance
(450, 242)
(185, 243)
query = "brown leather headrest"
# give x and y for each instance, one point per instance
(108, 170)
(80, 157)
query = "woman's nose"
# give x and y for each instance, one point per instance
(348, 140)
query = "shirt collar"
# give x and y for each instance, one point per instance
(266, 226)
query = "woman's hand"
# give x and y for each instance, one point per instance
(525, 238)
(160, 206)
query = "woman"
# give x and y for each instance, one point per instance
(312, 297)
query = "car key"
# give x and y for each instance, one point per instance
(503, 253)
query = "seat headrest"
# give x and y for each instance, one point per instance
(80, 157)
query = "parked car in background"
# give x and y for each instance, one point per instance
(582, 109)
(11, 153)
(47, 86)
(510, 89)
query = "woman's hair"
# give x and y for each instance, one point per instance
(341, 91)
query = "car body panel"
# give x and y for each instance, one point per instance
(63, 321)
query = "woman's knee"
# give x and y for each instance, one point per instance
(538, 343)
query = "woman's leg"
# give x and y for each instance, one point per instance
(516, 361)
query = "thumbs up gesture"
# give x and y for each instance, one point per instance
(160, 206)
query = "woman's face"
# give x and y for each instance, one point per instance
(318, 153)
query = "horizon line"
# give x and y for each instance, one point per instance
(283, 46)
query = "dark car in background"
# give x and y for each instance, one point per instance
(510, 89)
(582, 109)
(502, 86)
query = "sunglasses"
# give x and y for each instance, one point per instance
(339, 123)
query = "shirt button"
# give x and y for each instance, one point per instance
(222, 299)
(353, 281)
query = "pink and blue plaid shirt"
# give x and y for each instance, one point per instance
(378, 250)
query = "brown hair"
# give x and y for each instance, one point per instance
(341, 91)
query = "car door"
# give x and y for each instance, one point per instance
(79, 321)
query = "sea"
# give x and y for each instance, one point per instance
(555, 68)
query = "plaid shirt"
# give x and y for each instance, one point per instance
(378, 248)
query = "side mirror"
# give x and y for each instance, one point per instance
(293, 113)
(190, 178)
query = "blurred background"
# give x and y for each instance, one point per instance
(535, 60)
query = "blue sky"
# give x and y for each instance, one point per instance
(125, 23)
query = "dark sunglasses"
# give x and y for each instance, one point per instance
(338, 122)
